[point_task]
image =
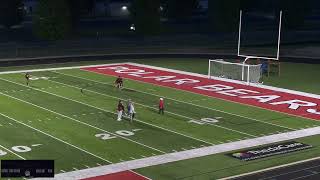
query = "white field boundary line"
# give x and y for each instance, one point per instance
(170, 70)
(35, 129)
(165, 129)
(271, 168)
(189, 154)
(83, 123)
(213, 109)
(12, 152)
(185, 117)
(53, 69)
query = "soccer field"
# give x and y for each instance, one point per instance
(69, 115)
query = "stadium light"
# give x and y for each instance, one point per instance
(124, 8)
(132, 27)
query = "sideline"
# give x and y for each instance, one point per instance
(184, 155)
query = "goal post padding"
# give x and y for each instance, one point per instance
(236, 71)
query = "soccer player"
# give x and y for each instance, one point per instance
(161, 106)
(120, 110)
(119, 82)
(131, 112)
(129, 106)
(27, 76)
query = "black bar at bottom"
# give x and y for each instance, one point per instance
(27, 168)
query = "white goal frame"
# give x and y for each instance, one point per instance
(247, 57)
(259, 57)
(242, 65)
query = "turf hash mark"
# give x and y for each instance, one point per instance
(93, 112)
(189, 118)
(184, 138)
(194, 112)
(285, 102)
(176, 101)
(42, 132)
(116, 135)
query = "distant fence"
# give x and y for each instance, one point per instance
(224, 43)
(106, 45)
(132, 56)
(167, 46)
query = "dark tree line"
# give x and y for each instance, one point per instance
(179, 9)
(56, 19)
(146, 14)
(294, 12)
(11, 12)
(224, 14)
(79, 8)
(53, 19)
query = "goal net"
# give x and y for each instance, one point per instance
(244, 71)
(236, 71)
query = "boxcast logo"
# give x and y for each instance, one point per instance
(270, 150)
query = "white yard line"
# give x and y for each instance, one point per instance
(185, 102)
(271, 168)
(170, 70)
(189, 118)
(12, 151)
(89, 125)
(101, 110)
(85, 151)
(184, 155)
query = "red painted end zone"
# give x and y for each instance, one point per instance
(285, 102)
(125, 175)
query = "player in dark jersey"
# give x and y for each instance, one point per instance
(27, 76)
(119, 82)
(120, 110)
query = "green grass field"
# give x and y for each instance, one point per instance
(52, 119)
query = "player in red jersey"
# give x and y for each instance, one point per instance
(161, 106)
